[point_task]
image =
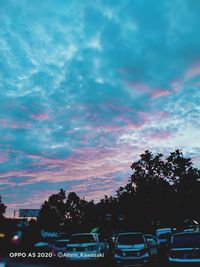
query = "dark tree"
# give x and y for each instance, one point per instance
(165, 190)
(185, 180)
(61, 213)
(79, 211)
(53, 212)
(2, 208)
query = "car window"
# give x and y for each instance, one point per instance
(164, 235)
(82, 239)
(130, 239)
(186, 240)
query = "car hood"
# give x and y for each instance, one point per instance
(183, 249)
(131, 247)
(41, 244)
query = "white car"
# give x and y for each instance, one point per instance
(184, 249)
(131, 250)
(86, 247)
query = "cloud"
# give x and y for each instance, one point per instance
(81, 102)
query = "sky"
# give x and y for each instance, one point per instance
(87, 86)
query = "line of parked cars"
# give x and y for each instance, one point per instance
(130, 248)
(126, 249)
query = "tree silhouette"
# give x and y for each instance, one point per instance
(165, 190)
(53, 211)
(2, 208)
(185, 180)
(59, 211)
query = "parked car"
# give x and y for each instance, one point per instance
(184, 249)
(86, 247)
(131, 249)
(162, 237)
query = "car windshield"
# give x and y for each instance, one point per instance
(61, 244)
(164, 236)
(76, 239)
(130, 239)
(186, 240)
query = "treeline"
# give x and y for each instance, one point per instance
(160, 192)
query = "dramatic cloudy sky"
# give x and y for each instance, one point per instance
(86, 86)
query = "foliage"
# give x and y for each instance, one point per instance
(160, 190)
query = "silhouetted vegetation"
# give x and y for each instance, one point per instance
(2, 208)
(160, 192)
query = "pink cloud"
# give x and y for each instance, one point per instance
(17, 125)
(40, 116)
(90, 162)
(142, 87)
(190, 73)
(193, 71)
(34, 201)
(119, 108)
(160, 92)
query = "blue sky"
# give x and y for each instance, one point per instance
(87, 86)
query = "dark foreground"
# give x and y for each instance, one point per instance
(7, 262)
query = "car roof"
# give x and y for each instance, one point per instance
(163, 229)
(41, 244)
(131, 233)
(85, 234)
(62, 240)
(186, 233)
